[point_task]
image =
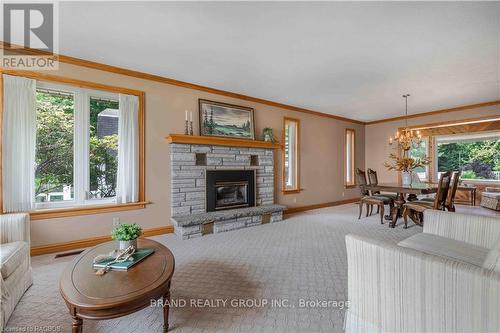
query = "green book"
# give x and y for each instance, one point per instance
(123, 266)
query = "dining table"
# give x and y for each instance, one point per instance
(402, 191)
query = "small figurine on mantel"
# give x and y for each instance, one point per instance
(267, 135)
(188, 129)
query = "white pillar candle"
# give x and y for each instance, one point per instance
(191, 116)
(186, 115)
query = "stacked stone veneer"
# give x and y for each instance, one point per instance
(188, 182)
(188, 179)
(190, 226)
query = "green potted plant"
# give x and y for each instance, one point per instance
(126, 235)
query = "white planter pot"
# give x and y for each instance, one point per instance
(406, 178)
(125, 244)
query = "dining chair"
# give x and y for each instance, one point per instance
(373, 180)
(370, 200)
(415, 209)
(450, 199)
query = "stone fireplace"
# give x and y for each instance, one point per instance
(219, 188)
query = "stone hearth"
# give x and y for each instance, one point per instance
(189, 165)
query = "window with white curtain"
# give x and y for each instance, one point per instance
(349, 158)
(76, 146)
(291, 181)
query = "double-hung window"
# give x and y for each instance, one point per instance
(76, 158)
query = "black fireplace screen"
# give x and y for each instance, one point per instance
(231, 194)
(228, 189)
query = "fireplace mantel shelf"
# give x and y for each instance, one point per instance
(219, 141)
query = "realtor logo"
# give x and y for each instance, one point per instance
(30, 27)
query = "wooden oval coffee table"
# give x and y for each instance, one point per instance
(116, 293)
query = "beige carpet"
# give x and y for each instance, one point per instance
(300, 258)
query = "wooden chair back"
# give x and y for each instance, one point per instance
(442, 191)
(450, 200)
(373, 179)
(361, 176)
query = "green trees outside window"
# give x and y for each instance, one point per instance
(477, 160)
(55, 151)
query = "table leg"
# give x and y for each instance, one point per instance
(166, 308)
(398, 207)
(77, 325)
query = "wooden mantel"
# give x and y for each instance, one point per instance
(219, 141)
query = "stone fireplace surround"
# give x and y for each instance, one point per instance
(189, 163)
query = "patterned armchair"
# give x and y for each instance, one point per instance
(15, 277)
(434, 281)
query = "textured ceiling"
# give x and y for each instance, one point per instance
(349, 59)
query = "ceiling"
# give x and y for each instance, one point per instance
(348, 59)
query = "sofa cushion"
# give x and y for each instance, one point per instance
(447, 248)
(492, 261)
(11, 256)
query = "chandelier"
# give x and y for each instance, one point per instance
(405, 138)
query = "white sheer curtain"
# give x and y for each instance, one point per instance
(18, 143)
(127, 189)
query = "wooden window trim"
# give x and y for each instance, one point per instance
(91, 209)
(41, 214)
(351, 184)
(297, 188)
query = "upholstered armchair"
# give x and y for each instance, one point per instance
(15, 268)
(490, 198)
(433, 281)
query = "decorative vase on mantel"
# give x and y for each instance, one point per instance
(406, 178)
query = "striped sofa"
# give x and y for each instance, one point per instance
(433, 281)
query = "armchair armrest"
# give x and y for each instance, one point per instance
(474, 229)
(395, 289)
(15, 227)
(492, 189)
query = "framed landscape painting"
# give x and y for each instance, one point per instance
(226, 120)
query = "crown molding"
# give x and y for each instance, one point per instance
(430, 113)
(166, 80)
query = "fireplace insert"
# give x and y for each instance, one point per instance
(229, 189)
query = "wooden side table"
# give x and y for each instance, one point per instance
(466, 191)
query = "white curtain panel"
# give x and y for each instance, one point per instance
(128, 150)
(19, 143)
